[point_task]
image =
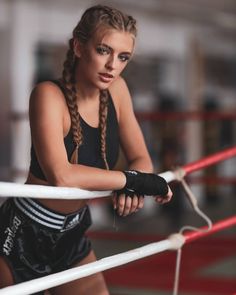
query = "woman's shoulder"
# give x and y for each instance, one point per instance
(119, 90)
(118, 86)
(47, 92)
(47, 102)
(120, 95)
(47, 88)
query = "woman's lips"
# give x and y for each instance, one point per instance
(105, 77)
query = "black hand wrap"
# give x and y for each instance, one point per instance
(138, 183)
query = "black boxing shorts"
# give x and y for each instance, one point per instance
(36, 241)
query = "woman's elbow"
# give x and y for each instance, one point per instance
(150, 167)
(59, 178)
(143, 164)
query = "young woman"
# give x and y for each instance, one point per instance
(77, 124)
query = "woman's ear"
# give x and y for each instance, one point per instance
(77, 48)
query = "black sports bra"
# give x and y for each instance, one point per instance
(90, 151)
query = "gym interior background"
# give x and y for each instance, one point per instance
(183, 84)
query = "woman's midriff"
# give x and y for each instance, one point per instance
(60, 206)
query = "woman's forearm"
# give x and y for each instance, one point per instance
(88, 178)
(143, 164)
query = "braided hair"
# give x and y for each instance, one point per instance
(92, 20)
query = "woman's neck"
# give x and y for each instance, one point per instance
(85, 89)
(86, 94)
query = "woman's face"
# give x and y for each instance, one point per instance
(103, 57)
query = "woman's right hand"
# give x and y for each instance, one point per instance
(126, 205)
(141, 183)
(131, 197)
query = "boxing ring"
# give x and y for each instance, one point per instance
(186, 235)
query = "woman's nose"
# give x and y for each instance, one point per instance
(110, 63)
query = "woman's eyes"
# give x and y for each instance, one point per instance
(124, 57)
(105, 50)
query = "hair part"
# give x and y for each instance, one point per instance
(100, 15)
(93, 19)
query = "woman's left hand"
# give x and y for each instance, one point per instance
(164, 199)
(126, 205)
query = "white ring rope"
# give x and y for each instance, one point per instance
(193, 201)
(41, 191)
(172, 243)
(9, 189)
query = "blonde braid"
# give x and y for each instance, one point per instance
(103, 110)
(68, 84)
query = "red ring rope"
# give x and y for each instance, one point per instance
(218, 226)
(210, 160)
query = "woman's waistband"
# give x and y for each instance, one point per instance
(48, 218)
